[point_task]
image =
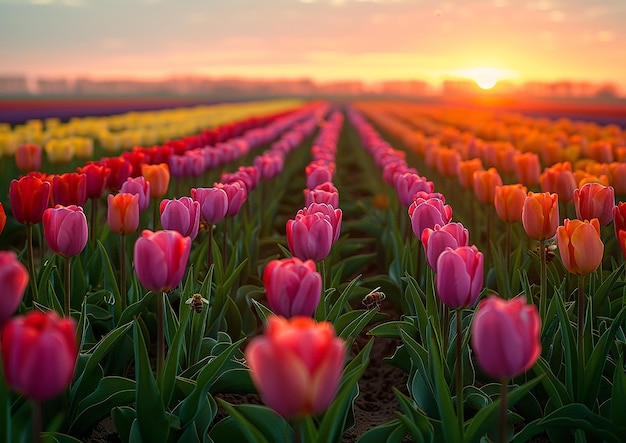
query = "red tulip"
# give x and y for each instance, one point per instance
(459, 277)
(29, 197)
(435, 241)
(161, 259)
(96, 175)
(594, 200)
(3, 218)
(540, 215)
(505, 336)
(13, 281)
(28, 157)
(69, 189)
(296, 365)
(293, 287)
(182, 215)
(213, 203)
(123, 213)
(621, 239)
(619, 217)
(39, 354)
(580, 245)
(120, 171)
(65, 229)
(137, 159)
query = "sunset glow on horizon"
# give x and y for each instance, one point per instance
(323, 40)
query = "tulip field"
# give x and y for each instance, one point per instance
(234, 272)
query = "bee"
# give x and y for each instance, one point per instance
(374, 298)
(197, 303)
(549, 251)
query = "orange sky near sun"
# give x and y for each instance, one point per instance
(368, 40)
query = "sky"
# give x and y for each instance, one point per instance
(325, 40)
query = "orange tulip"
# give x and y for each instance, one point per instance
(509, 201)
(559, 179)
(465, 171)
(447, 162)
(527, 168)
(123, 212)
(540, 215)
(580, 245)
(159, 178)
(618, 177)
(485, 183)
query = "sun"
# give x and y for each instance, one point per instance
(486, 78)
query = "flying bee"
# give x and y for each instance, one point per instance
(197, 303)
(549, 251)
(374, 298)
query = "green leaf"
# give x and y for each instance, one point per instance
(419, 426)
(263, 311)
(391, 329)
(173, 359)
(487, 418)
(58, 437)
(556, 390)
(356, 325)
(110, 281)
(123, 418)
(111, 392)
(135, 309)
(152, 422)
(5, 408)
(338, 307)
(618, 394)
(569, 344)
(390, 432)
(258, 423)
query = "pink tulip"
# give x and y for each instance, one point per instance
(237, 195)
(13, 281)
(296, 365)
(323, 193)
(426, 213)
(435, 241)
(310, 236)
(293, 287)
(161, 259)
(141, 187)
(334, 216)
(408, 184)
(505, 336)
(213, 203)
(594, 200)
(65, 229)
(459, 277)
(317, 173)
(39, 354)
(182, 215)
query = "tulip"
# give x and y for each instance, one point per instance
(293, 287)
(594, 200)
(13, 281)
(334, 216)
(69, 189)
(213, 203)
(621, 239)
(509, 201)
(182, 215)
(619, 217)
(324, 193)
(65, 229)
(527, 168)
(465, 171)
(39, 352)
(29, 197)
(96, 175)
(28, 157)
(435, 241)
(505, 336)
(540, 215)
(59, 151)
(559, 179)
(618, 176)
(318, 172)
(137, 159)
(120, 171)
(485, 183)
(459, 277)
(3, 218)
(236, 196)
(580, 245)
(409, 184)
(159, 178)
(310, 236)
(296, 365)
(160, 259)
(426, 213)
(141, 187)
(123, 213)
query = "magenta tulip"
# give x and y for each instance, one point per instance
(65, 229)
(237, 195)
(182, 215)
(213, 203)
(13, 281)
(505, 336)
(310, 236)
(334, 216)
(160, 259)
(426, 213)
(459, 277)
(39, 354)
(435, 241)
(139, 186)
(324, 193)
(293, 287)
(296, 365)
(408, 184)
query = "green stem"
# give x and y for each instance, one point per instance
(31, 263)
(155, 214)
(445, 328)
(160, 338)
(37, 422)
(502, 425)
(509, 227)
(459, 369)
(544, 279)
(68, 288)
(210, 251)
(123, 291)
(581, 321)
(92, 218)
(224, 258)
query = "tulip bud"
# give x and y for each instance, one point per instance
(459, 277)
(505, 336)
(28, 157)
(160, 259)
(594, 200)
(324, 193)
(296, 365)
(527, 168)
(65, 229)
(123, 213)
(120, 170)
(465, 171)
(540, 215)
(237, 195)
(182, 215)
(409, 184)
(39, 354)
(13, 281)
(560, 180)
(293, 287)
(426, 213)
(69, 189)
(580, 245)
(96, 175)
